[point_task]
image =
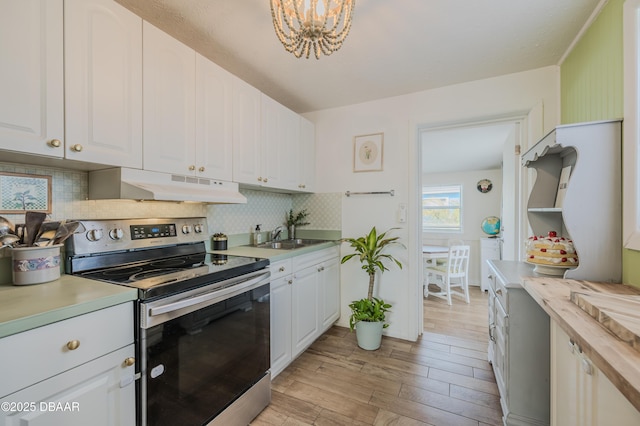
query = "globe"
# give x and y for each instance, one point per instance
(491, 225)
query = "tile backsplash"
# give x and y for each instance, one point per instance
(70, 192)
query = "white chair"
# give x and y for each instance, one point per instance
(450, 243)
(453, 274)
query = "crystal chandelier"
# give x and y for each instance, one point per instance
(318, 25)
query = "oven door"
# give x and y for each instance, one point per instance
(202, 349)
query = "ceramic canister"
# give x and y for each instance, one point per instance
(35, 265)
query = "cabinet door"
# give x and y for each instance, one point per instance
(307, 156)
(246, 133)
(31, 76)
(489, 250)
(169, 103)
(500, 355)
(329, 288)
(581, 395)
(214, 121)
(304, 308)
(103, 83)
(100, 392)
(280, 136)
(280, 324)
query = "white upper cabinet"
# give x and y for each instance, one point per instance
(307, 156)
(273, 147)
(169, 103)
(188, 110)
(103, 83)
(247, 104)
(31, 76)
(280, 137)
(214, 120)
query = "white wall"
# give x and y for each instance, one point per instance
(475, 207)
(398, 118)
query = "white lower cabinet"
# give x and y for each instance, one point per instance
(305, 302)
(281, 286)
(581, 395)
(518, 346)
(305, 308)
(77, 371)
(100, 392)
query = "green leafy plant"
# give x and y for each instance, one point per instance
(369, 250)
(368, 310)
(298, 219)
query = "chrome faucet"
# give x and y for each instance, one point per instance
(275, 234)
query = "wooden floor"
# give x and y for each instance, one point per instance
(442, 379)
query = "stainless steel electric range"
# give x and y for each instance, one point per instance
(202, 337)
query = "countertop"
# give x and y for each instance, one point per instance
(29, 306)
(616, 359)
(274, 255)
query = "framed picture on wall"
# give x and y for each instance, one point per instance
(21, 192)
(367, 153)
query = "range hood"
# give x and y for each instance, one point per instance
(134, 184)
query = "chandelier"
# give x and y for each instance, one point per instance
(306, 25)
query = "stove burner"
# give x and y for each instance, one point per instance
(119, 273)
(169, 263)
(147, 274)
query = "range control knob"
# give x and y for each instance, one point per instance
(116, 234)
(186, 229)
(197, 228)
(94, 234)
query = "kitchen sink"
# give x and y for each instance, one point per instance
(289, 244)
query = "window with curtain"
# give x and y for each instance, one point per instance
(442, 208)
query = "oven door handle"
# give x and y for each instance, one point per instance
(212, 296)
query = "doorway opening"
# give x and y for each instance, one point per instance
(468, 153)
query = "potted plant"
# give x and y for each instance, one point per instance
(368, 315)
(294, 220)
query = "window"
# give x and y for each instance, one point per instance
(441, 208)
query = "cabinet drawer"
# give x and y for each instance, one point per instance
(501, 293)
(310, 259)
(43, 352)
(280, 269)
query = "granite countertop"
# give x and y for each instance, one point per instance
(29, 306)
(615, 358)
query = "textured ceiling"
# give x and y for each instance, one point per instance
(394, 48)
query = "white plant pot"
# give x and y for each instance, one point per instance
(369, 334)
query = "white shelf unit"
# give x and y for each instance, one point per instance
(590, 214)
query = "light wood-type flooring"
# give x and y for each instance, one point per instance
(442, 379)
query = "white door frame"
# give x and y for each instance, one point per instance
(416, 275)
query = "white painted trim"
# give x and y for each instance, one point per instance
(631, 128)
(584, 29)
(416, 317)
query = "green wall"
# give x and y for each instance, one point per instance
(591, 89)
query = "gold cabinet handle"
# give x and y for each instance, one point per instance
(281, 269)
(259, 179)
(76, 148)
(264, 180)
(201, 169)
(499, 292)
(54, 143)
(72, 345)
(290, 282)
(192, 168)
(129, 361)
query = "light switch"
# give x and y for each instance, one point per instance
(402, 213)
